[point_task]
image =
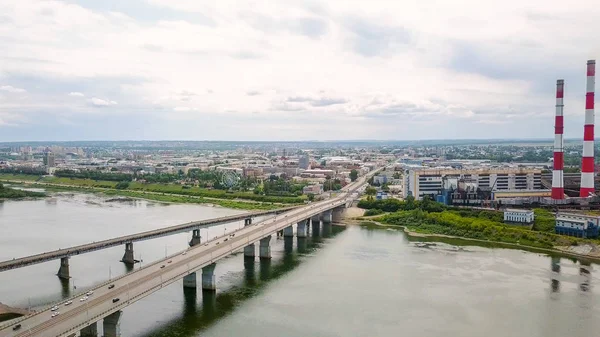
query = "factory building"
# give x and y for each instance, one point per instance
(521, 216)
(578, 225)
(434, 182)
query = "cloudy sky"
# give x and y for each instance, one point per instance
(292, 70)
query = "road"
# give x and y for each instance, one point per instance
(136, 285)
(90, 247)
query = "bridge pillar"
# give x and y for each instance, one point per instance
(301, 230)
(316, 224)
(128, 256)
(189, 280)
(112, 324)
(265, 248)
(249, 250)
(288, 231)
(63, 271)
(327, 216)
(337, 214)
(208, 277)
(196, 238)
(90, 330)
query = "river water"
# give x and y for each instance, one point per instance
(353, 281)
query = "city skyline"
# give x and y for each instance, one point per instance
(295, 70)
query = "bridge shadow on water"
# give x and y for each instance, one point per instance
(215, 306)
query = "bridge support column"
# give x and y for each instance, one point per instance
(316, 224)
(196, 238)
(128, 256)
(265, 248)
(90, 330)
(208, 277)
(250, 251)
(337, 214)
(189, 280)
(63, 271)
(112, 324)
(288, 231)
(302, 227)
(327, 217)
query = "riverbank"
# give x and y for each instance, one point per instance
(155, 196)
(7, 193)
(567, 251)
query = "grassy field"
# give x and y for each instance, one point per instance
(23, 177)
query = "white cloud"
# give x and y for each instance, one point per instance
(378, 62)
(12, 89)
(101, 102)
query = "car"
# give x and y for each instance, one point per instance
(111, 286)
(162, 266)
(225, 239)
(184, 253)
(68, 303)
(56, 313)
(115, 300)
(217, 243)
(54, 308)
(17, 327)
(206, 244)
(83, 298)
(89, 293)
(170, 261)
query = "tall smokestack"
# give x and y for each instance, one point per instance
(558, 190)
(587, 162)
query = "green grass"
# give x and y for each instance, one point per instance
(24, 177)
(454, 224)
(11, 193)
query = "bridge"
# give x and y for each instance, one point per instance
(81, 316)
(128, 240)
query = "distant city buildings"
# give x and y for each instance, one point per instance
(49, 159)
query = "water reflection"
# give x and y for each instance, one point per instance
(585, 273)
(216, 305)
(302, 245)
(555, 283)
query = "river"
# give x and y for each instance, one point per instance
(355, 282)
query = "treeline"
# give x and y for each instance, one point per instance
(394, 205)
(11, 193)
(94, 175)
(24, 170)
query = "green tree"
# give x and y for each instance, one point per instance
(311, 197)
(122, 185)
(353, 175)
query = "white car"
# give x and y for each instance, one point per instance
(56, 313)
(83, 298)
(183, 253)
(54, 308)
(89, 293)
(68, 303)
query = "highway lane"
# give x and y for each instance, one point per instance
(140, 283)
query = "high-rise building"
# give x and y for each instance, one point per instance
(49, 160)
(304, 162)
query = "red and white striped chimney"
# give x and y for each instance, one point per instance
(558, 190)
(587, 162)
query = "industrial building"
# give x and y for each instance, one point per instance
(521, 216)
(578, 225)
(473, 184)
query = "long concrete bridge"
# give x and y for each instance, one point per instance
(65, 253)
(82, 316)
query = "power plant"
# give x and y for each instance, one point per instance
(586, 188)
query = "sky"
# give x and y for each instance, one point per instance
(292, 69)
